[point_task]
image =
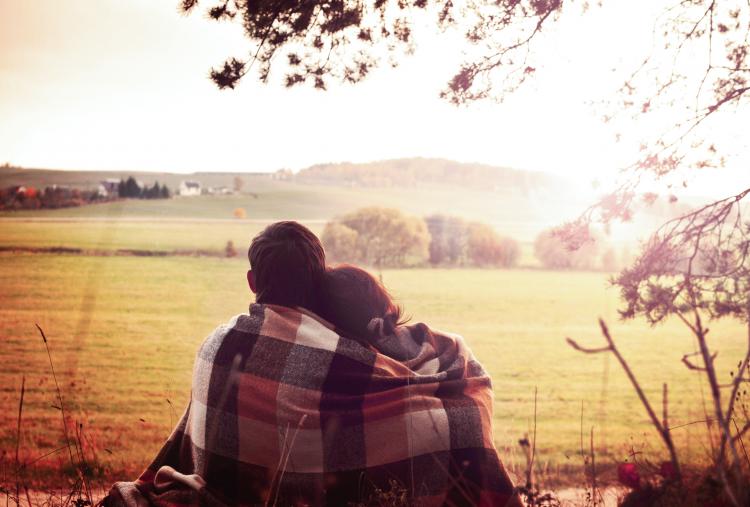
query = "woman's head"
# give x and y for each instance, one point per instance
(352, 297)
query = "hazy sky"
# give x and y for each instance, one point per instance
(114, 84)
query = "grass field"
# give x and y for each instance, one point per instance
(209, 235)
(511, 212)
(123, 332)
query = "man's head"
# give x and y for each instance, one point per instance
(287, 265)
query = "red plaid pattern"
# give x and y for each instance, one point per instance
(287, 411)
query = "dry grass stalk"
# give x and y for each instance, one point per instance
(59, 394)
(662, 428)
(18, 440)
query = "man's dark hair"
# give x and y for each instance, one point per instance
(288, 264)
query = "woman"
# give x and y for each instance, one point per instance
(352, 298)
(436, 374)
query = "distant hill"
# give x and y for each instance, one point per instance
(415, 172)
(517, 203)
(398, 173)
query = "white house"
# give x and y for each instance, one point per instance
(108, 187)
(190, 187)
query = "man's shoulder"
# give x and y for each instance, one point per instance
(271, 321)
(243, 323)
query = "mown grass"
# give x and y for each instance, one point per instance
(510, 212)
(124, 330)
(208, 235)
(145, 235)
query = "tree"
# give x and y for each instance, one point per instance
(165, 193)
(340, 242)
(448, 236)
(695, 268)
(485, 247)
(698, 67)
(153, 192)
(382, 237)
(131, 188)
(696, 75)
(318, 39)
(410, 242)
(454, 241)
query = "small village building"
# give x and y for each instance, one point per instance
(221, 190)
(189, 187)
(108, 187)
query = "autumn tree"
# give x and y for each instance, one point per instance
(340, 242)
(454, 241)
(695, 74)
(674, 107)
(448, 239)
(380, 237)
(485, 247)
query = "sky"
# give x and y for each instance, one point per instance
(123, 85)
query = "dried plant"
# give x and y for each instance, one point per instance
(695, 268)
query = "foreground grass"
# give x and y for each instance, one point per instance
(123, 333)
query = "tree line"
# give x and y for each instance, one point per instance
(415, 172)
(27, 197)
(129, 188)
(32, 198)
(384, 237)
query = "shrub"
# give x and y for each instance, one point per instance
(380, 237)
(487, 248)
(448, 241)
(230, 250)
(340, 242)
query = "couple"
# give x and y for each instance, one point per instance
(319, 395)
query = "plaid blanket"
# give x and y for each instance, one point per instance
(286, 411)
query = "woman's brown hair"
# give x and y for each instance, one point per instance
(352, 297)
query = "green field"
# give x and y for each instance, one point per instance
(123, 332)
(511, 212)
(106, 235)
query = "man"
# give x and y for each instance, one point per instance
(287, 265)
(286, 411)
